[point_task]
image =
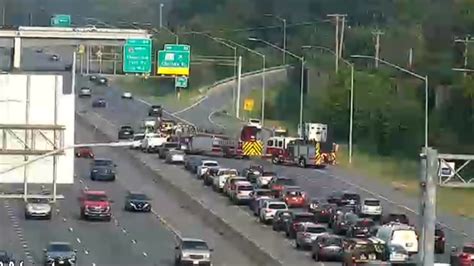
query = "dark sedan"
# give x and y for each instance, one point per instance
(361, 228)
(125, 132)
(137, 202)
(6, 258)
(279, 220)
(99, 103)
(103, 170)
(328, 248)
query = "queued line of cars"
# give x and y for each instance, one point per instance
(341, 227)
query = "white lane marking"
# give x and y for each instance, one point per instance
(93, 264)
(166, 223)
(387, 200)
(78, 240)
(145, 254)
(212, 121)
(19, 232)
(86, 251)
(203, 98)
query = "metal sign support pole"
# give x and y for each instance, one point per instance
(429, 217)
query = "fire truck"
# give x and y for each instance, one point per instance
(248, 144)
(312, 149)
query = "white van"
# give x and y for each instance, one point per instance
(399, 234)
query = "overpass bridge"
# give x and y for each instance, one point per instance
(37, 36)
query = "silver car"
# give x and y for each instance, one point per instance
(307, 233)
(60, 253)
(38, 208)
(191, 251)
(175, 156)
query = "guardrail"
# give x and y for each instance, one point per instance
(255, 72)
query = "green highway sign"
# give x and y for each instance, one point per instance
(61, 20)
(177, 47)
(137, 56)
(181, 82)
(175, 59)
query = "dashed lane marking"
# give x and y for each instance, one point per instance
(19, 232)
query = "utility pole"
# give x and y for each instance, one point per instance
(339, 41)
(3, 15)
(239, 84)
(428, 188)
(377, 34)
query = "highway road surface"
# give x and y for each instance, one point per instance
(318, 182)
(130, 238)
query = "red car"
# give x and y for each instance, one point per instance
(95, 204)
(84, 152)
(464, 256)
(294, 198)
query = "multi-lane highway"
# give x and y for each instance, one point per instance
(130, 238)
(317, 182)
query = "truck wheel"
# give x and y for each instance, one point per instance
(275, 160)
(302, 163)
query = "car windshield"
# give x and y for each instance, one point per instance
(264, 193)
(398, 217)
(468, 249)
(200, 245)
(304, 218)
(268, 174)
(178, 152)
(103, 162)
(245, 188)
(372, 202)
(59, 247)
(332, 241)
(365, 223)
(254, 121)
(138, 196)
(294, 194)
(316, 230)
(350, 196)
(170, 145)
(277, 206)
(37, 200)
(96, 197)
(211, 164)
(126, 127)
(286, 182)
(85, 89)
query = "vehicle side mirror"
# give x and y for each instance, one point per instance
(211, 250)
(176, 247)
(75, 250)
(44, 250)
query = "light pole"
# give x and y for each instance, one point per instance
(423, 78)
(263, 72)
(161, 15)
(301, 58)
(351, 107)
(284, 32)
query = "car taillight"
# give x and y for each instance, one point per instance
(323, 212)
(442, 238)
(354, 259)
(464, 256)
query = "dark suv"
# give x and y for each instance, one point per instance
(156, 111)
(103, 170)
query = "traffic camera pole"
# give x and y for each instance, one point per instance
(428, 187)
